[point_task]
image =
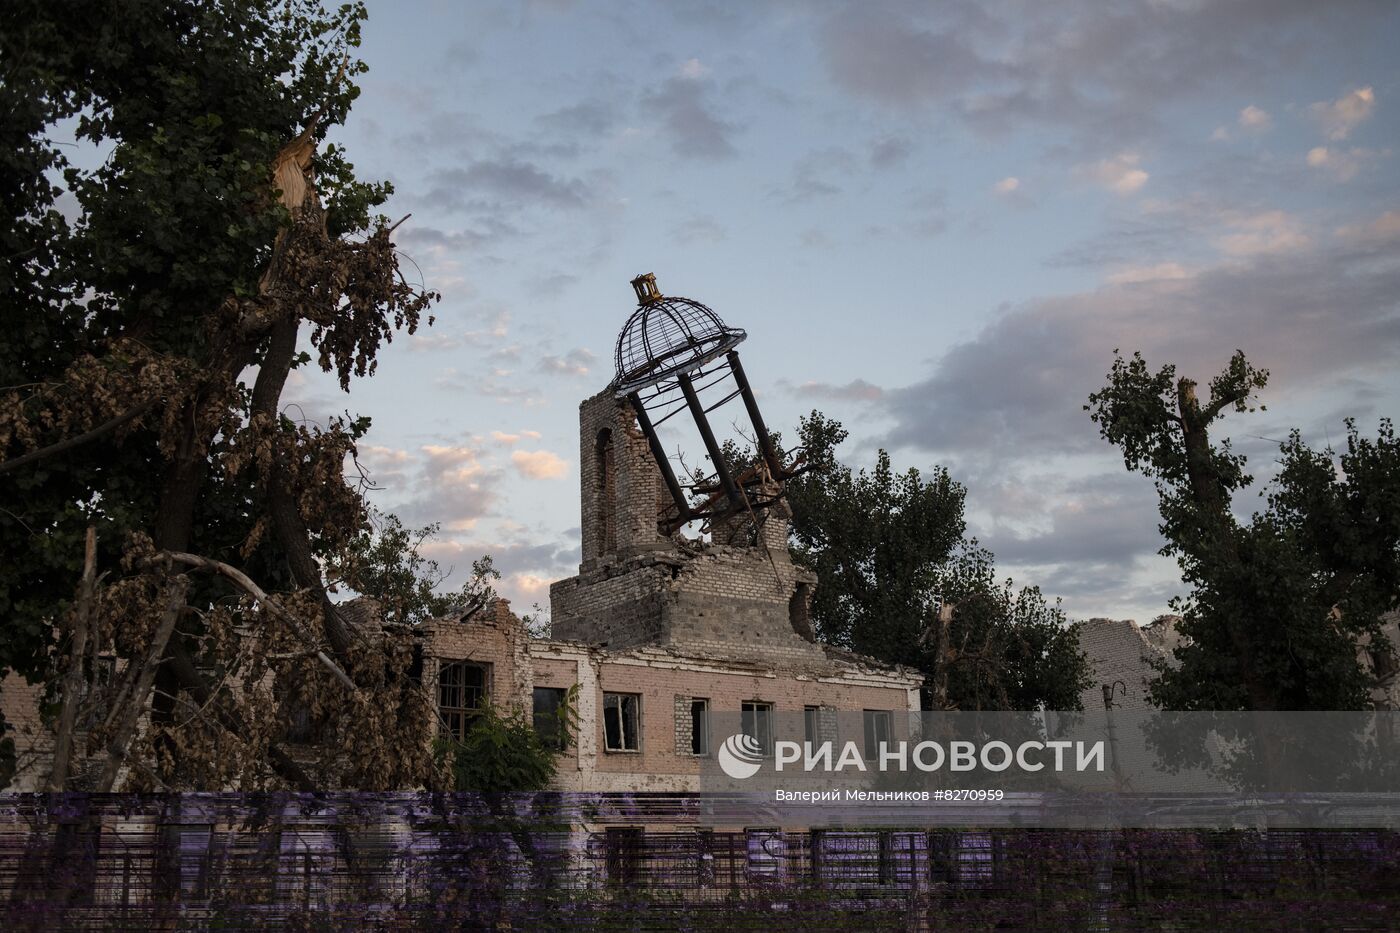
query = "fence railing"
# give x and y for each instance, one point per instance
(629, 862)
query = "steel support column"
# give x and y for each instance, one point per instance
(711, 445)
(765, 443)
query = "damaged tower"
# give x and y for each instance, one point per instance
(641, 581)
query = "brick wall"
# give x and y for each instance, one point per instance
(33, 741)
(665, 679)
(630, 499)
(1117, 651)
(496, 637)
(667, 682)
(717, 601)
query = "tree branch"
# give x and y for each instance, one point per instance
(102, 430)
(243, 582)
(184, 671)
(281, 504)
(1217, 406)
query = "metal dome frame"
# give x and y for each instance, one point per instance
(667, 336)
(668, 353)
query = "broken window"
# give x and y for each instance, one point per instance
(811, 725)
(549, 722)
(462, 694)
(877, 731)
(757, 720)
(302, 726)
(622, 722)
(699, 726)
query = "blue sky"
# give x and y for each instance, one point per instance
(936, 222)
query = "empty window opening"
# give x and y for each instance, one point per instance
(549, 711)
(622, 722)
(699, 726)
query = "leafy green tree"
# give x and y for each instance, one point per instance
(1281, 603)
(992, 646)
(899, 581)
(507, 753)
(386, 560)
(156, 280)
(878, 541)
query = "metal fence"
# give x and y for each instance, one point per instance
(419, 861)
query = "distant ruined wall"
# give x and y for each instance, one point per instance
(20, 701)
(1118, 650)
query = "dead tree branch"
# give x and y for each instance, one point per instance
(183, 669)
(101, 431)
(145, 680)
(243, 582)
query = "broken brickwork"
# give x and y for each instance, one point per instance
(637, 586)
(620, 487)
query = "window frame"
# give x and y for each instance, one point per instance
(624, 851)
(812, 725)
(449, 713)
(302, 728)
(559, 741)
(622, 723)
(754, 708)
(871, 717)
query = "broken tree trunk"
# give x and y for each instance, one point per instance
(141, 686)
(74, 680)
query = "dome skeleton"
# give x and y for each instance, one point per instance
(670, 351)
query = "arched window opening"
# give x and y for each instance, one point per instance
(607, 492)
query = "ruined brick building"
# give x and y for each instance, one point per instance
(658, 630)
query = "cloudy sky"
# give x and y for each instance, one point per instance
(936, 222)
